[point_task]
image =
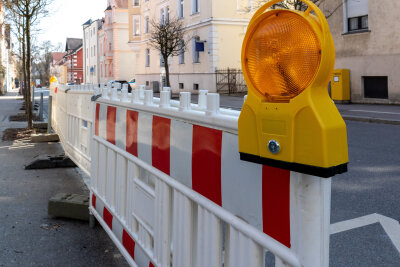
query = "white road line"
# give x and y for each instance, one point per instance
(392, 229)
(370, 111)
(353, 223)
(391, 226)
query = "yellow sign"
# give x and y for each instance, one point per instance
(288, 119)
(53, 79)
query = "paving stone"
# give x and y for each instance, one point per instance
(51, 162)
(68, 205)
(48, 137)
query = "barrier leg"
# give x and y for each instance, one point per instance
(92, 221)
(41, 107)
(49, 110)
(310, 218)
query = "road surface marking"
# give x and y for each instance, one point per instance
(369, 111)
(391, 226)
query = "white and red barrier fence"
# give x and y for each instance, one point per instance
(169, 188)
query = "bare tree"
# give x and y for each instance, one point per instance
(41, 59)
(297, 5)
(169, 39)
(30, 11)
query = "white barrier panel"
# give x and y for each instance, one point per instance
(72, 117)
(169, 188)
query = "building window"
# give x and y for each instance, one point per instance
(196, 54)
(146, 25)
(180, 9)
(162, 17)
(167, 15)
(195, 6)
(195, 86)
(162, 62)
(376, 87)
(358, 23)
(147, 57)
(181, 53)
(109, 46)
(181, 86)
(136, 25)
(136, 2)
(355, 16)
(147, 83)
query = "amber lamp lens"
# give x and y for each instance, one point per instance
(282, 56)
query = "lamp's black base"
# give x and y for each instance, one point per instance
(297, 167)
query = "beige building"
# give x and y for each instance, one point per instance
(218, 26)
(367, 39)
(116, 60)
(90, 51)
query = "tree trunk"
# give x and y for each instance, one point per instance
(166, 71)
(24, 66)
(28, 70)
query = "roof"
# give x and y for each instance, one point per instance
(58, 55)
(87, 22)
(121, 3)
(73, 43)
(117, 4)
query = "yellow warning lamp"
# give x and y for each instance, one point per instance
(288, 119)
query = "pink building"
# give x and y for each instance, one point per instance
(117, 61)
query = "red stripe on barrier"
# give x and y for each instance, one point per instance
(111, 118)
(94, 201)
(276, 203)
(96, 123)
(132, 132)
(108, 217)
(161, 144)
(206, 162)
(151, 264)
(128, 243)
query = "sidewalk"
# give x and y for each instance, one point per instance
(29, 237)
(389, 114)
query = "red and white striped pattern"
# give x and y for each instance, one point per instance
(125, 239)
(205, 160)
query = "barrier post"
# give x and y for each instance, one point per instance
(49, 111)
(41, 107)
(310, 206)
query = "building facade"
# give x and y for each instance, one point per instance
(6, 73)
(56, 65)
(116, 61)
(73, 60)
(90, 52)
(366, 38)
(214, 31)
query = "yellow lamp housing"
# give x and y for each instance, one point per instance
(288, 120)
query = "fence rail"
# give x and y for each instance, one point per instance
(168, 187)
(230, 81)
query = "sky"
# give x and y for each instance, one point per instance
(66, 18)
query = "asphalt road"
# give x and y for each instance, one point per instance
(372, 185)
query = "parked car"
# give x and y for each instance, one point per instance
(122, 82)
(132, 82)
